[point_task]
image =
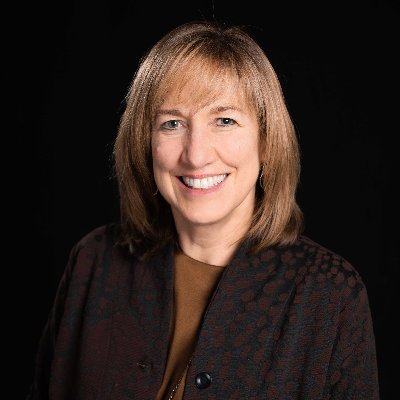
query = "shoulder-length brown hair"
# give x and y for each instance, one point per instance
(202, 53)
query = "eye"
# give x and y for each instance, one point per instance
(225, 121)
(171, 124)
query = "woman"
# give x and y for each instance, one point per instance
(206, 288)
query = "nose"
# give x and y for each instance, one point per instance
(198, 149)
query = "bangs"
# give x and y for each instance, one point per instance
(200, 80)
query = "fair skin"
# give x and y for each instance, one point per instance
(206, 165)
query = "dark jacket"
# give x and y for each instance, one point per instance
(287, 323)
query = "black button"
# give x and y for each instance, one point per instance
(203, 380)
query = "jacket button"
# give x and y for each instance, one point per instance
(203, 380)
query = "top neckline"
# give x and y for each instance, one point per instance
(194, 261)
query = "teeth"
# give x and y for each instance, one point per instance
(205, 183)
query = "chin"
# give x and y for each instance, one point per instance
(202, 218)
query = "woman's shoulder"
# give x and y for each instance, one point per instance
(91, 248)
(321, 254)
(99, 237)
(94, 255)
(324, 265)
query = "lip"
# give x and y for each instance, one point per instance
(202, 175)
(201, 192)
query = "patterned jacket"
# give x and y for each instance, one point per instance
(288, 323)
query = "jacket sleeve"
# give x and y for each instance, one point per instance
(39, 388)
(353, 368)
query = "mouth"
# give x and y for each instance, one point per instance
(203, 183)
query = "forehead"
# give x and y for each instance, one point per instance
(186, 100)
(198, 84)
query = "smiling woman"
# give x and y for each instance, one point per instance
(190, 84)
(206, 165)
(206, 287)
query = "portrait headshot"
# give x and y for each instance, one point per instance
(212, 213)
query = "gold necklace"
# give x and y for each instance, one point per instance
(175, 388)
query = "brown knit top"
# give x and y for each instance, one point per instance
(194, 283)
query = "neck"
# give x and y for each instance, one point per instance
(213, 244)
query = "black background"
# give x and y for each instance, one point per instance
(71, 65)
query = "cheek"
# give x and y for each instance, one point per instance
(241, 150)
(165, 155)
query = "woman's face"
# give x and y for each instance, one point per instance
(206, 158)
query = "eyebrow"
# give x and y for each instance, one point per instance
(228, 107)
(169, 112)
(214, 110)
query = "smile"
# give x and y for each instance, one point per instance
(203, 183)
